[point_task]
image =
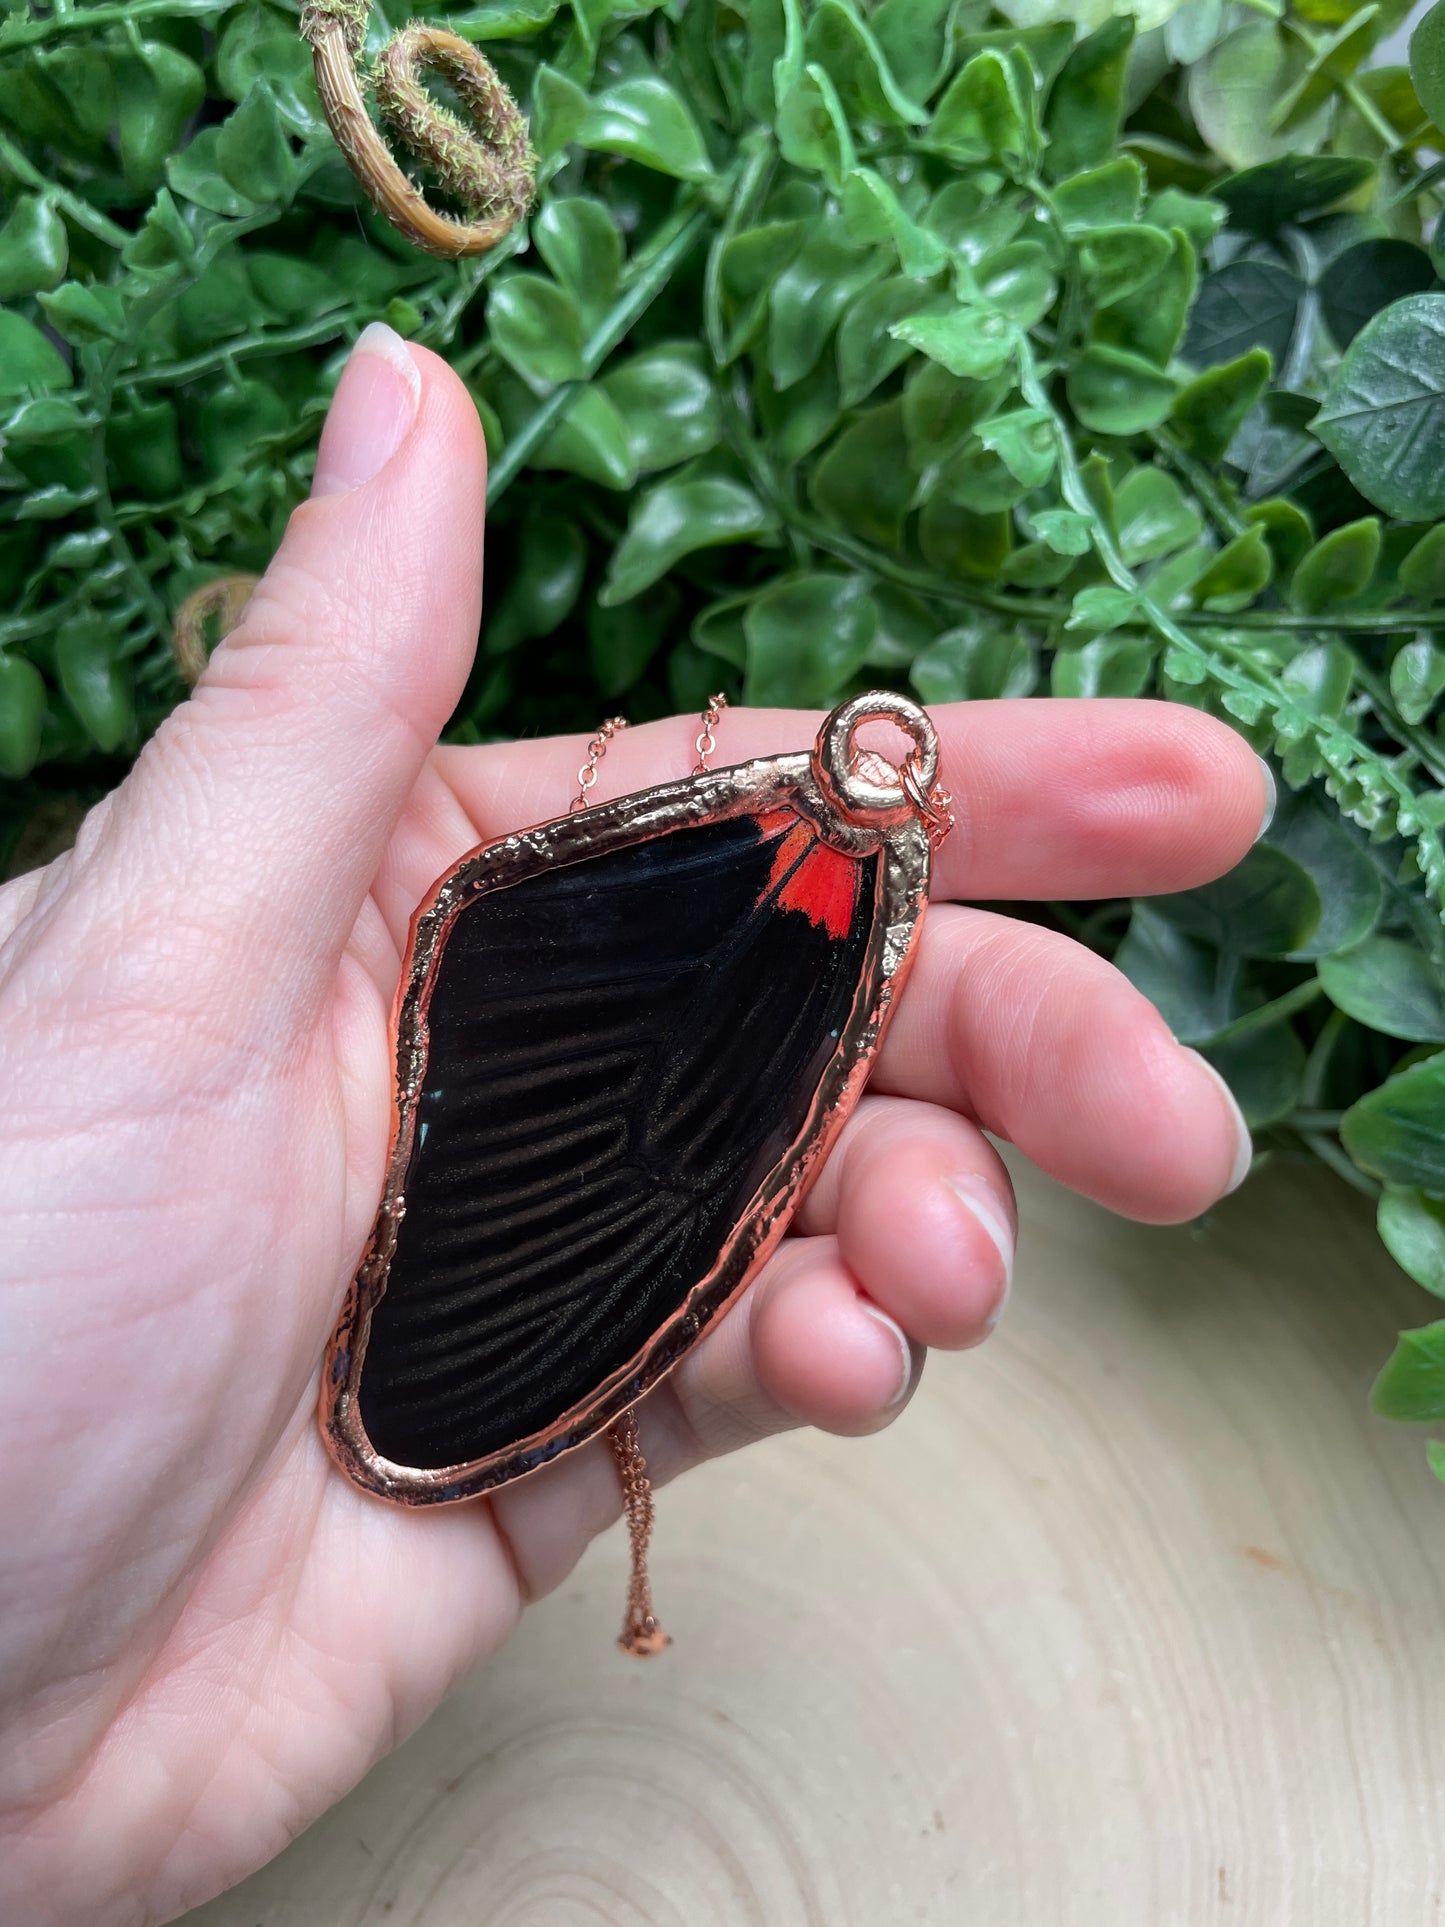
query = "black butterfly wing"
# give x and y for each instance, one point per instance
(620, 1050)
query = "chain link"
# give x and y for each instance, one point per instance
(707, 736)
(596, 750)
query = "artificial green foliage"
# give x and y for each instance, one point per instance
(995, 353)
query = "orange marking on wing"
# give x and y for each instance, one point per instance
(823, 885)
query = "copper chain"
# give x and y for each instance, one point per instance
(596, 750)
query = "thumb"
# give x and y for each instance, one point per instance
(262, 805)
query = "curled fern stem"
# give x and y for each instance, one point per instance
(484, 163)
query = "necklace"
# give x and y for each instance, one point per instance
(625, 1040)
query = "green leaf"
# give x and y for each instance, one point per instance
(253, 153)
(1265, 1070)
(1411, 1388)
(1287, 529)
(1417, 675)
(1105, 666)
(96, 680)
(1117, 393)
(863, 481)
(1102, 607)
(1266, 906)
(675, 518)
(975, 662)
(873, 212)
(158, 89)
(1153, 517)
(913, 37)
(195, 175)
(1422, 572)
(1244, 305)
(1237, 574)
(668, 405)
(22, 705)
(867, 351)
(1384, 413)
(748, 267)
(984, 115)
(34, 248)
(1100, 196)
(536, 328)
(579, 240)
(1018, 282)
(592, 441)
(1412, 1228)
(813, 131)
(559, 111)
(1150, 320)
(29, 363)
(807, 636)
(840, 41)
(1339, 568)
(808, 299)
(974, 341)
(1309, 828)
(1397, 1131)
(1391, 986)
(546, 582)
(1179, 974)
(85, 312)
(645, 120)
(1086, 102)
(1065, 531)
(1117, 261)
(1209, 412)
(1427, 62)
(1024, 441)
(1266, 198)
(622, 642)
(1368, 277)
(1235, 90)
(233, 420)
(260, 42)
(1320, 678)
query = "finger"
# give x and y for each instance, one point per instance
(803, 1346)
(924, 1215)
(1045, 1044)
(1072, 798)
(264, 802)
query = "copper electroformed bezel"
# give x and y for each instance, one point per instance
(851, 810)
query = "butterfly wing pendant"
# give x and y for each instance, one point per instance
(625, 1041)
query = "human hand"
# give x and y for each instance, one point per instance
(206, 1634)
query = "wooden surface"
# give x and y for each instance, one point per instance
(1137, 1618)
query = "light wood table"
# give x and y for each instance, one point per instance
(1136, 1619)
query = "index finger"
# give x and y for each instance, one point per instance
(1068, 797)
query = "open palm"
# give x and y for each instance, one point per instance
(206, 1635)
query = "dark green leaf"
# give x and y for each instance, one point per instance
(1422, 573)
(1106, 666)
(1153, 517)
(1339, 568)
(807, 636)
(1391, 986)
(863, 482)
(1264, 1069)
(975, 662)
(96, 680)
(545, 584)
(867, 352)
(1244, 305)
(1417, 675)
(34, 248)
(668, 404)
(985, 115)
(839, 40)
(1208, 412)
(22, 711)
(1319, 678)
(1384, 415)
(536, 328)
(1237, 574)
(1397, 1131)
(1411, 1388)
(1368, 277)
(622, 642)
(1266, 198)
(1086, 102)
(1179, 974)
(592, 441)
(1427, 62)
(1117, 261)
(973, 341)
(1267, 906)
(28, 362)
(1116, 393)
(1100, 196)
(253, 153)
(579, 241)
(1310, 829)
(676, 518)
(809, 297)
(1412, 1229)
(645, 120)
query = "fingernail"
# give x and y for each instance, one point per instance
(1271, 797)
(371, 412)
(905, 1351)
(1244, 1154)
(978, 1199)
